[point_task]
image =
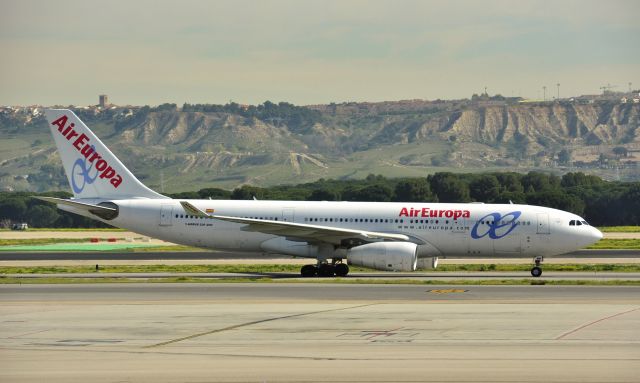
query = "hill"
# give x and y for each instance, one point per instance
(195, 146)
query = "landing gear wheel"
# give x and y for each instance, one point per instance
(308, 271)
(536, 271)
(342, 269)
(326, 270)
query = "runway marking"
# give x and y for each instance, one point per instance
(26, 334)
(252, 323)
(561, 336)
(447, 291)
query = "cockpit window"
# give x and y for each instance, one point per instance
(572, 222)
(584, 222)
(578, 223)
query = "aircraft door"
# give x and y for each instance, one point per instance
(166, 212)
(543, 223)
(288, 214)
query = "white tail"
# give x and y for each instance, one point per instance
(93, 171)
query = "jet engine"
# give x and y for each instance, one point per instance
(388, 256)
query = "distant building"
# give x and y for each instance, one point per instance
(103, 101)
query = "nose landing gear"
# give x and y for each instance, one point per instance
(536, 271)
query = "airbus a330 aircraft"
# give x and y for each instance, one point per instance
(383, 236)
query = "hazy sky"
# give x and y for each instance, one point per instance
(305, 52)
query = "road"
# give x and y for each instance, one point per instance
(380, 276)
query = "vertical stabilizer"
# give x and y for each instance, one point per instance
(93, 171)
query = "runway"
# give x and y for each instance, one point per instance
(318, 332)
(445, 277)
(222, 255)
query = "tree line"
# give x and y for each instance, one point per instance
(602, 203)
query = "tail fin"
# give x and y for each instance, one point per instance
(93, 171)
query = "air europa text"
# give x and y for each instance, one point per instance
(82, 143)
(433, 213)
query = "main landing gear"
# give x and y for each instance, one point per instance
(536, 271)
(325, 269)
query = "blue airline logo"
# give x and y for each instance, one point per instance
(496, 226)
(81, 174)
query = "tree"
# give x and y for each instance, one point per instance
(631, 201)
(414, 190)
(323, 194)
(370, 193)
(540, 182)
(620, 151)
(449, 188)
(247, 192)
(510, 182)
(214, 193)
(13, 209)
(579, 179)
(42, 216)
(564, 157)
(485, 188)
(558, 200)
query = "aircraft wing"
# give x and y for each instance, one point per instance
(298, 230)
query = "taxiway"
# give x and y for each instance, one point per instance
(318, 332)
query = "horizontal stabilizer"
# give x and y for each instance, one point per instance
(105, 212)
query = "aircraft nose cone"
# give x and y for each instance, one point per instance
(591, 236)
(597, 234)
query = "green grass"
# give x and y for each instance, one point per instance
(101, 229)
(620, 229)
(288, 268)
(40, 241)
(171, 248)
(492, 282)
(610, 243)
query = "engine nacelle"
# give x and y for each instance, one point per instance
(388, 256)
(427, 263)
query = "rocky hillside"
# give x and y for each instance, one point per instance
(198, 145)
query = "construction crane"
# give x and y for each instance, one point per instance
(607, 88)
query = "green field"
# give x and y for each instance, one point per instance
(620, 229)
(609, 243)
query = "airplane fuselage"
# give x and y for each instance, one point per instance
(440, 230)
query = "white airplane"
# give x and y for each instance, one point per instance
(383, 236)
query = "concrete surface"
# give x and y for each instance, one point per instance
(590, 256)
(318, 332)
(417, 275)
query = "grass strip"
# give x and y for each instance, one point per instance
(80, 229)
(620, 229)
(40, 241)
(285, 268)
(615, 243)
